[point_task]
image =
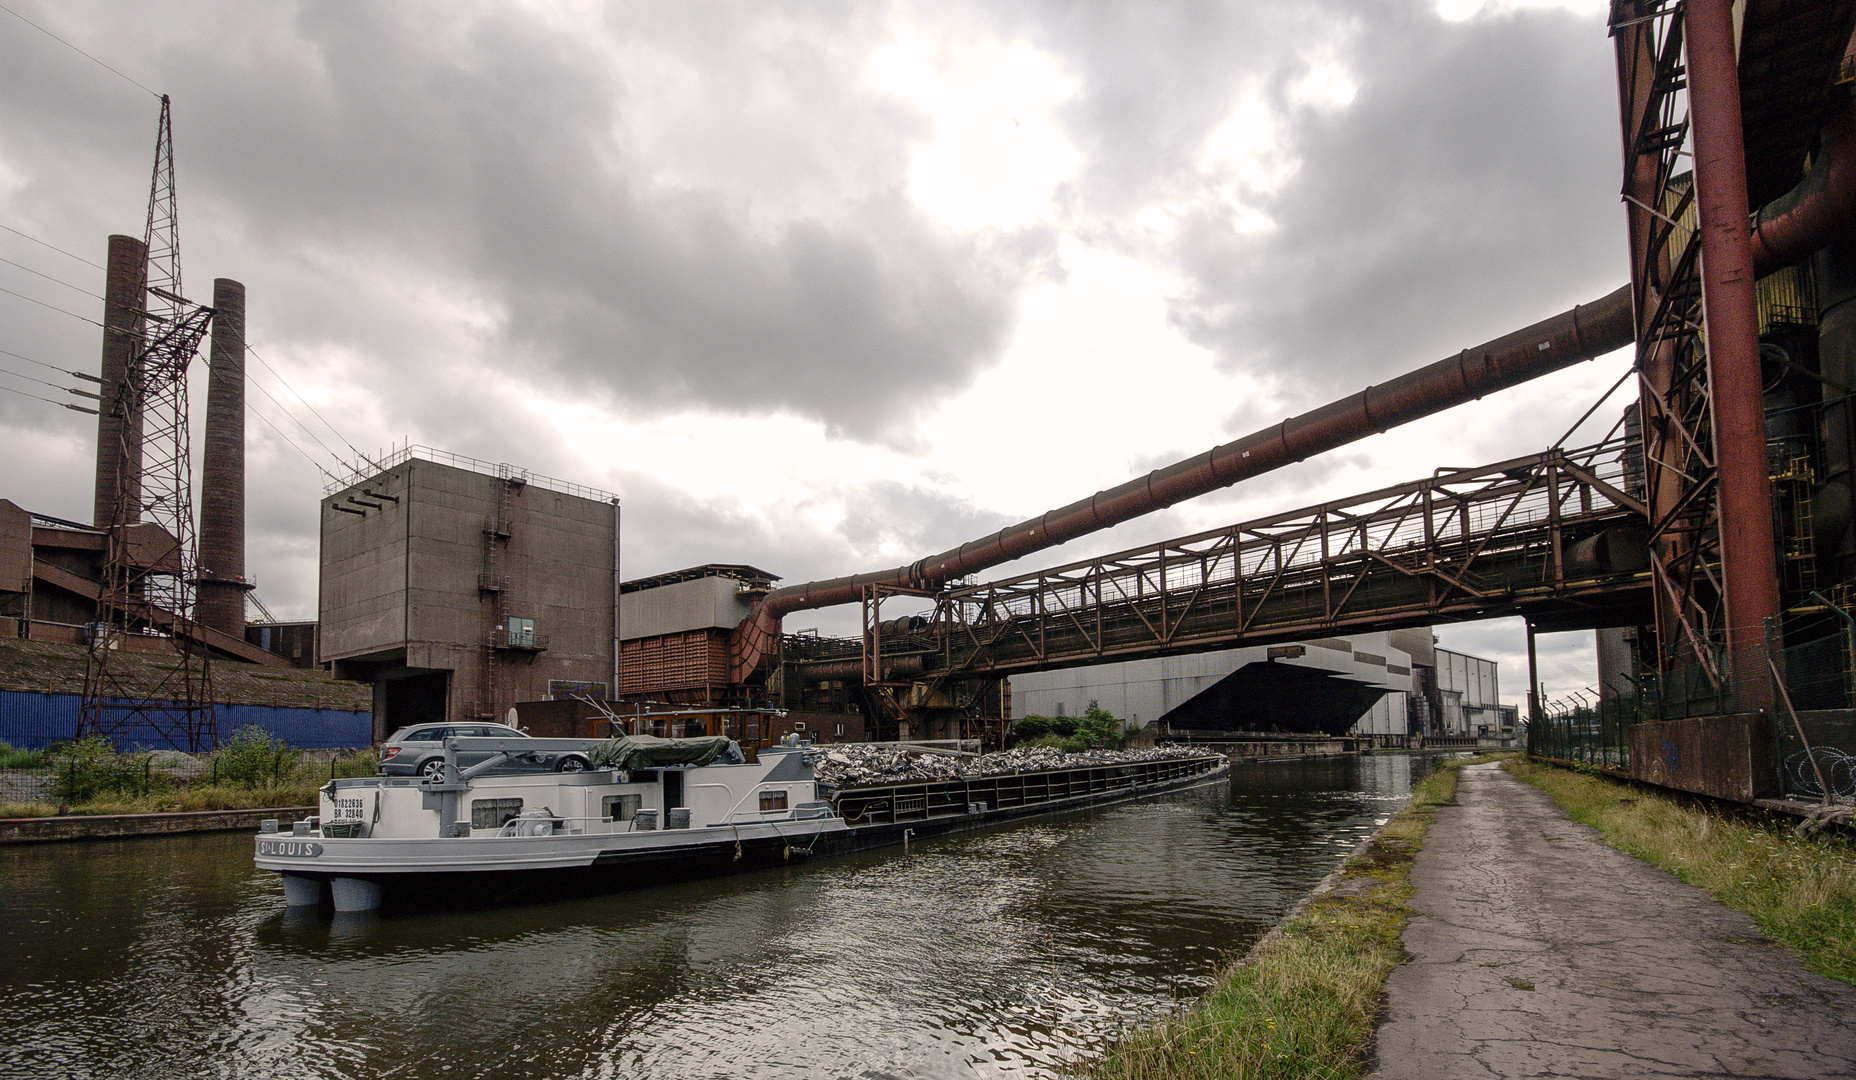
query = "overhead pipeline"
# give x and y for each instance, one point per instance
(1586, 331)
(1786, 231)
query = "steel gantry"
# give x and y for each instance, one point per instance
(1556, 536)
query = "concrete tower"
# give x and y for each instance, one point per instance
(220, 601)
(119, 417)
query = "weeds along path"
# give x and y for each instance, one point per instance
(1303, 1002)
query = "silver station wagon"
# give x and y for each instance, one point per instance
(419, 750)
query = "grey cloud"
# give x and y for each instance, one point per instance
(1469, 189)
(483, 155)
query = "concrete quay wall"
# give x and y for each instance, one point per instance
(110, 826)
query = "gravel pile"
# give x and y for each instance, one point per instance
(856, 764)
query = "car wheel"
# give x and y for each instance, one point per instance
(571, 763)
(433, 770)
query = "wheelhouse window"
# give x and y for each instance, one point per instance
(772, 800)
(493, 813)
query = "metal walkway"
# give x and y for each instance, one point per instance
(1553, 536)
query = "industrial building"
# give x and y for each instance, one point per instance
(1380, 687)
(460, 587)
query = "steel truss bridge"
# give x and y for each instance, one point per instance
(1554, 536)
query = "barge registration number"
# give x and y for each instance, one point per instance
(348, 809)
(297, 849)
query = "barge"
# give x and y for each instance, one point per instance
(489, 835)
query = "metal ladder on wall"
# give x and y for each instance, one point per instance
(493, 585)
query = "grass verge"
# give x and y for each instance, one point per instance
(1304, 1002)
(1800, 890)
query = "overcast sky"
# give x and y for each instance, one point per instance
(822, 287)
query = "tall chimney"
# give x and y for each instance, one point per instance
(220, 601)
(119, 417)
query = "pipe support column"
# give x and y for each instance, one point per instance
(1730, 325)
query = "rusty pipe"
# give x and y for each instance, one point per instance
(1586, 331)
(1792, 227)
(1731, 326)
(894, 667)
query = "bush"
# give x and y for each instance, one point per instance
(11, 758)
(1033, 728)
(89, 767)
(1099, 727)
(254, 758)
(362, 762)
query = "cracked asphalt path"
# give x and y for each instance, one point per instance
(1538, 951)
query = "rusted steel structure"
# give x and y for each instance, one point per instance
(152, 590)
(1584, 332)
(1695, 257)
(1554, 536)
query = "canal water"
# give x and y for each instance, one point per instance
(997, 954)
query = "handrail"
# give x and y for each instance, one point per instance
(729, 817)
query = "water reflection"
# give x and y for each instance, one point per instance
(995, 954)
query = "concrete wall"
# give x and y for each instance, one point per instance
(401, 585)
(32, 721)
(361, 597)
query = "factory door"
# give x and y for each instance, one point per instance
(416, 699)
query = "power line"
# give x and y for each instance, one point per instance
(293, 419)
(50, 367)
(325, 420)
(293, 445)
(29, 378)
(73, 48)
(54, 247)
(48, 401)
(54, 307)
(50, 278)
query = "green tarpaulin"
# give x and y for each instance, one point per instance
(650, 752)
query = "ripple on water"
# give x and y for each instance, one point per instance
(998, 954)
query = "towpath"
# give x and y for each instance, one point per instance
(1538, 951)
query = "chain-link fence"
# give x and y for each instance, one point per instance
(249, 768)
(1808, 690)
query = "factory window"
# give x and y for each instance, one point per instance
(840, 731)
(493, 813)
(620, 807)
(772, 800)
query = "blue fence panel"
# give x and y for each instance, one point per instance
(307, 729)
(32, 721)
